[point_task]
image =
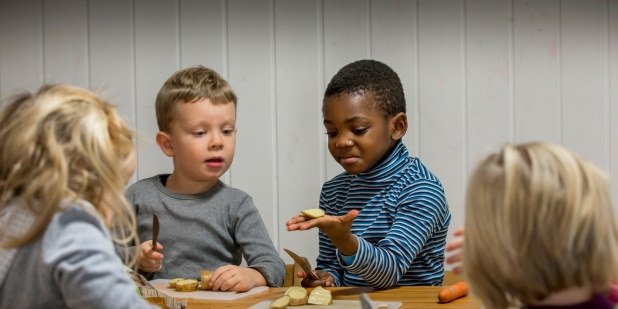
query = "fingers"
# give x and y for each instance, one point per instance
(459, 232)
(454, 245)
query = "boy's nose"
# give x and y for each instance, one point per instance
(344, 142)
(216, 142)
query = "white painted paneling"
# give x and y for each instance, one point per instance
(346, 39)
(203, 38)
(613, 95)
(584, 79)
(21, 47)
(111, 49)
(394, 41)
(442, 96)
(156, 58)
(300, 133)
(65, 24)
(488, 64)
(536, 73)
(251, 73)
(112, 54)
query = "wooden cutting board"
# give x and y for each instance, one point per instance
(162, 285)
(337, 304)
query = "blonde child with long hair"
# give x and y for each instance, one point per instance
(540, 230)
(65, 159)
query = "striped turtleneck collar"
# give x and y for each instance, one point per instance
(388, 166)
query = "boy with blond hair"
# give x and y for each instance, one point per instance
(205, 224)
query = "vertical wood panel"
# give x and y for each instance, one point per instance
(299, 120)
(613, 94)
(111, 53)
(442, 99)
(66, 42)
(203, 38)
(536, 71)
(394, 41)
(251, 73)
(488, 78)
(156, 58)
(21, 46)
(346, 39)
(584, 63)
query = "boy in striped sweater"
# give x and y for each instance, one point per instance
(386, 215)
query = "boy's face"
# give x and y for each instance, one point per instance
(203, 139)
(358, 134)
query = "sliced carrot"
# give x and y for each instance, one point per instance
(453, 292)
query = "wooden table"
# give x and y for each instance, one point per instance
(425, 297)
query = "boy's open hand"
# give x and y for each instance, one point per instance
(337, 228)
(235, 278)
(150, 260)
(325, 279)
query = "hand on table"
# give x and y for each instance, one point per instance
(150, 260)
(235, 278)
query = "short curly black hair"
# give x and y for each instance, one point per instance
(365, 76)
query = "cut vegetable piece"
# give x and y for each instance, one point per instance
(313, 212)
(280, 303)
(320, 296)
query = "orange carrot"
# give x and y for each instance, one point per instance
(451, 293)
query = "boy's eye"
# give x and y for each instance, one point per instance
(331, 134)
(359, 131)
(199, 133)
(228, 131)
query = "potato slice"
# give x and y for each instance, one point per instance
(173, 282)
(320, 296)
(205, 275)
(313, 212)
(297, 294)
(187, 285)
(280, 303)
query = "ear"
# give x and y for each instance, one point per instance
(165, 143)
(399, 125)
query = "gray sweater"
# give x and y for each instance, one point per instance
(204, 231)
(73, 265)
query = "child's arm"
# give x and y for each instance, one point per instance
(251, 236)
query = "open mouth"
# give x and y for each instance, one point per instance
(215, 160)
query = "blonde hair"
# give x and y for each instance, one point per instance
(539, 220)
(187, 86)
(65, 145)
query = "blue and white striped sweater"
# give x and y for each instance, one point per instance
(401, 227)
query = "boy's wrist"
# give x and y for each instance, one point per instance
(347, 245)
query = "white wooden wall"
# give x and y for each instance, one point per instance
(477, 74)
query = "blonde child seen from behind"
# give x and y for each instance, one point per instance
(540, 230)
(65, 159)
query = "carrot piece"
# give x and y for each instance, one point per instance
(453, 292)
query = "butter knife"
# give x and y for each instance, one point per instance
(302, 264)
(155, 231)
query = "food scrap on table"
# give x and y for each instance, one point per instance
(453, 292)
